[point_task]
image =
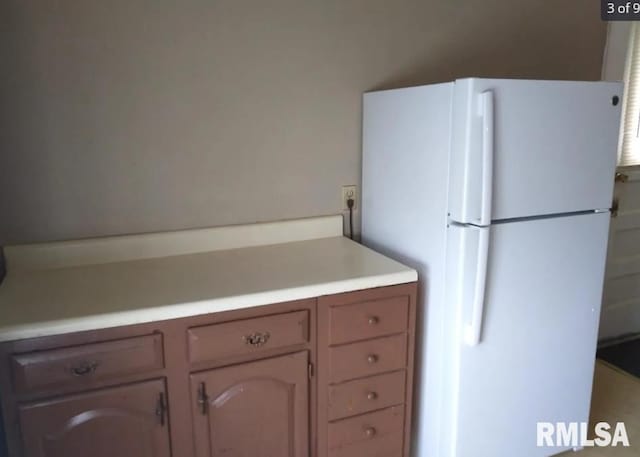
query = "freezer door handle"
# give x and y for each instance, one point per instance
(487, 113)
(473, 330)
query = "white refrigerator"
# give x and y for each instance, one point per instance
(498, 192)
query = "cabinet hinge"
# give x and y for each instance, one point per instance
(621, 177)
(202, 398)
(161, 409)
(615, 206)
(310, 367)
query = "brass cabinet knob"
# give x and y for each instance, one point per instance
(373, 320)
(372, 396)
(370, 431)
(256, 339)
(372, 358)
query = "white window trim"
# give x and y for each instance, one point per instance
(629, 144)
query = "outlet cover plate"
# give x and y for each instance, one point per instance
(350, 191)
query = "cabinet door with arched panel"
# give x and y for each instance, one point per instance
(126, 421)
(257, 409)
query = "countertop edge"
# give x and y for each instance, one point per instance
(189, 309)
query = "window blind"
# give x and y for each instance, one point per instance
(629, 153)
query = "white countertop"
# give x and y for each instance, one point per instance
(60, 297)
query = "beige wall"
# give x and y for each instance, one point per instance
(125, 116)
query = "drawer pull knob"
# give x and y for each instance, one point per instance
(372, 358)
(370, 432)
(256, 339)
(84, 369)
(372, 396)
(373, 320)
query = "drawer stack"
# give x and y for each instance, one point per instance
(367, 372)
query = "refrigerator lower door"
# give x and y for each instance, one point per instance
(535, 356)
(524, 148)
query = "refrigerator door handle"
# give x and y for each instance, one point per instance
(473, 330)
(487, 112)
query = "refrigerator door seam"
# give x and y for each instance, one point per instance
(548, 216)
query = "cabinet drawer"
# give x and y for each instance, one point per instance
(248, 336)
(86, 364)
(378, 434)
(369, 357)
(368, 319)
(368, 394)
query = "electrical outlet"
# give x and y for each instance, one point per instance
(347, 193)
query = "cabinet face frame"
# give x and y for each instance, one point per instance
(177, 367)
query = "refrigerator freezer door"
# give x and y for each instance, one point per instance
(535, 358)
(553, 146)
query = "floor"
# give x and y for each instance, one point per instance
(616, 398)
